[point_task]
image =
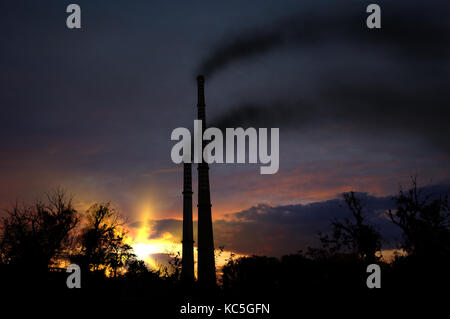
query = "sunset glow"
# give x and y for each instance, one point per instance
(156, 252)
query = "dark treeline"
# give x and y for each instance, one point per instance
(352, 245)
(51, 234)
(37, 242)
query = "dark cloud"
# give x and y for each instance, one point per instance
(265, 229)
(278, 230)
(160, 226)
(135, 224)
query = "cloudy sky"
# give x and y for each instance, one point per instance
(92, 110)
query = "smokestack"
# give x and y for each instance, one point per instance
(206, 263)
(187, 262)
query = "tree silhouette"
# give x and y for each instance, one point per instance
(102, 241)
(355, 235)
(136, 267)
(425, 222)
(118, 253)
(37, 235)
(256, 274)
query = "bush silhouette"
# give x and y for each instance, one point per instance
(37, 235)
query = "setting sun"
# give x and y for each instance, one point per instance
(156, 252)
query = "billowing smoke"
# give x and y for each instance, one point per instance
(243, 46)
(414, 29)
(384, 112)
(413, 39)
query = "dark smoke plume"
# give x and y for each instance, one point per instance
(414, 30)
(381, 112)
(243, 46)
(413, 37)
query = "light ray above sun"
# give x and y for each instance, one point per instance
(156, 252)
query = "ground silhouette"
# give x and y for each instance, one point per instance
(36, 239)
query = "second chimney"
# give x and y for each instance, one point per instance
(206, 262)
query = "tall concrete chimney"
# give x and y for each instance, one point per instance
(187, 262)
(206, 264)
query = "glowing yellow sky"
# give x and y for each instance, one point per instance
(151, 250)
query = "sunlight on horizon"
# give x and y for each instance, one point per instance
(156, 252)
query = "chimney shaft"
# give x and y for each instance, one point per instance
(187, 262)
(201, 99)
(206, 262)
